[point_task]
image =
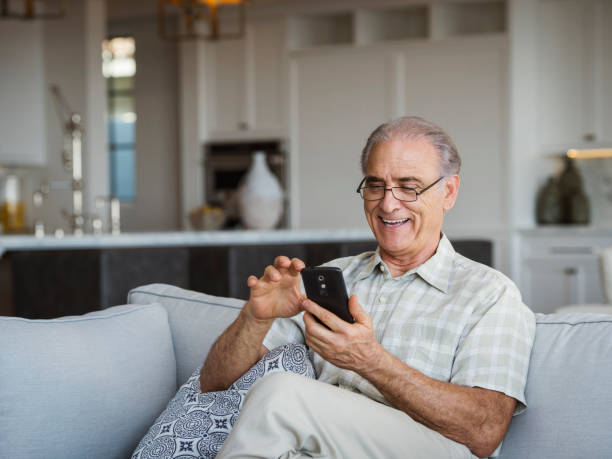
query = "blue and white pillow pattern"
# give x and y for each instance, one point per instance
(196, 425)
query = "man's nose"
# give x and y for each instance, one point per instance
(389, 202)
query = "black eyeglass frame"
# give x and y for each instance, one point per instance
(416, 193)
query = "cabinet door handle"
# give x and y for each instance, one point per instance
(571, 250)
(243, 125)
(590, 137)
(570, 271)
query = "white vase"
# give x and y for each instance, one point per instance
(261, 196)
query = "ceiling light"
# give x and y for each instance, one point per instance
(201, 19)
(32, 9)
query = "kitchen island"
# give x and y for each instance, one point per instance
(181, 238)
(51, 277)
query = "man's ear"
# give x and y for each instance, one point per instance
(451, 190)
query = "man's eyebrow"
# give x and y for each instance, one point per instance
(402, 180)
(410, 180)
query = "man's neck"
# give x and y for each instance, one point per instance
(401, 264)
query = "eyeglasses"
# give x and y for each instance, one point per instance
(401, 193)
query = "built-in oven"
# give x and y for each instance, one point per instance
(226, 163)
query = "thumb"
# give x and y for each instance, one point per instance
(357, 311)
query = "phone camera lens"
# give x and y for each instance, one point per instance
(321, 278)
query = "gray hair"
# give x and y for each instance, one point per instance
(415, 128)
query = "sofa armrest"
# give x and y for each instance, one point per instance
(569, 395)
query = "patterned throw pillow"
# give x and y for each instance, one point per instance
(196, 425)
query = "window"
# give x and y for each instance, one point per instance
(119, 69)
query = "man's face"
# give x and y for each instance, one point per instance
(407, 230)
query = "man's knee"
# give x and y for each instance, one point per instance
(274, 387)
(275, 384)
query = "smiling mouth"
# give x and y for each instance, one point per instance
(393, 223)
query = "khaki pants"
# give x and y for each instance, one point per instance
(286, 416)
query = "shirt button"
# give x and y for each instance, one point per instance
(381, 299)
(381, 267)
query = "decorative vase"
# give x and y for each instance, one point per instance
(576, 208)
(261, 196)
(549, 206)
(579, 209)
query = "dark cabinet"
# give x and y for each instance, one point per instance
(42, 284)
(59, 283)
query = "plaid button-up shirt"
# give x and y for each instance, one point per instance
(451, 318)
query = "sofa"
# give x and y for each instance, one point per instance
(90, 386)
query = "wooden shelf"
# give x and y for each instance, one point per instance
(367, 26)
(474, 18)
(321, 30)
(380, 25)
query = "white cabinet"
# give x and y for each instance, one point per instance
(342, 94)
(470, 104)
(574, 59)
(22, 94)
(338, 98)
(226, 85)
(558, 270)
(246, 82)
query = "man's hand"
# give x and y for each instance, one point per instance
(277, 293)
(349, 346)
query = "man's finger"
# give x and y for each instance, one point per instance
(296, 266)
(357, 311)
(282, 261)
(314, 328)
(272, 274)
(315, 343)
(252, 281)
(330, 319)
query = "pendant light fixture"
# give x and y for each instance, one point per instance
(32, 9)
(201, 19)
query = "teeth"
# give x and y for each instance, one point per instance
(395, 221)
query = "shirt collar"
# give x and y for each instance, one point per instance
(435, 271)
(372, 263)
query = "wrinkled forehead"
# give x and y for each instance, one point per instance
(413, 159)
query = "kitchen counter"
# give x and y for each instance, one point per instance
(181, 238)
(52, 277)
(547, 231)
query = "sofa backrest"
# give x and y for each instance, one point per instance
(569, 391)
(83, 386)
(196, 320)
(569, 386)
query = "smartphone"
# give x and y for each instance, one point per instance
(325, 286)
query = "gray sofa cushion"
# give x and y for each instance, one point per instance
(87, 386)
(569, 394)
(196, 320)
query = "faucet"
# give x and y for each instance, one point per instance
(72, 159)
(74, 162)
(114, 213)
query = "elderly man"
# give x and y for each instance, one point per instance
(436, 361)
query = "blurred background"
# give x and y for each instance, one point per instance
(174, 97)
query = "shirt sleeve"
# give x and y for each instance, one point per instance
(284, 331)
(495, 352)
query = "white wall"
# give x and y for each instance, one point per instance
(70, 59)
(22, 94)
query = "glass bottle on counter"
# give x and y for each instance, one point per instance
(12, 212)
